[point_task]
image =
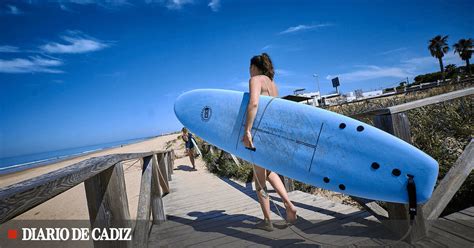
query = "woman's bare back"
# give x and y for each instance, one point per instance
(268, 87)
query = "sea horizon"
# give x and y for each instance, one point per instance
(27, 161)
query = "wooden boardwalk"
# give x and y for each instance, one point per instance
(204, 210)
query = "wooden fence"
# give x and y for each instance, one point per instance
(395, 121)
(104, 184)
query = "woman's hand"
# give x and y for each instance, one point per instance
(247, 139)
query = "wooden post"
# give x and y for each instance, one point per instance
(162, 173)
(289, 184)
(169, 165)
(107, 202)
(157, 206)
(399, 125)
(236, 161)
(140, 234)
(450, 183)
(211, 149)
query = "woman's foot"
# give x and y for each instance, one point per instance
(265, 224)
(291, 213)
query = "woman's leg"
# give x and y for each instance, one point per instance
(191, 156)
(259, 177)
(277, 184)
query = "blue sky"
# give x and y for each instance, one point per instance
(75, 73)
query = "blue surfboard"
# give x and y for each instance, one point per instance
(311, 145)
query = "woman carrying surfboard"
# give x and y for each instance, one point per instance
(261, 83)
(188, 139)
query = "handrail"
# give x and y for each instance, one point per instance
(418, 103)
(104, 183)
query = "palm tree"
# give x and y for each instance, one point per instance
(464, 48)
(438, 46)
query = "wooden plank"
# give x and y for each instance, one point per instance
(341, 212)
(214, 224)
(171, 164)
(238, 206)
(450, 184)
(142, 226)
(454, 228)
(468, 211)
(448, 239)
(169, 167)
(462, 219)
(20, 197)
(429, 243)
(157, 206)
(165, 187)
(107, 203)
(431, 100)
(289, 184)
(399, 125)
(372, 207)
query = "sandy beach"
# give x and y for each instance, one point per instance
(72, 204)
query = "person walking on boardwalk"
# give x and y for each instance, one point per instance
(261, 83)
(188, 142)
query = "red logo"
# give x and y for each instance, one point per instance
(12, 234)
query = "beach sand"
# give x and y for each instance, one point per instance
(72, 204)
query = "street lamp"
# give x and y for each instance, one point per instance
(317, 81)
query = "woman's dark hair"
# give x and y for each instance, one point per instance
(264, 64)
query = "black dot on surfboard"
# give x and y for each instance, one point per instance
(360, 128)
(342, 125)
(396, 172)
(342, 187)
(326, 179)
(375, 165)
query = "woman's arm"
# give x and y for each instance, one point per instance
(255, 90)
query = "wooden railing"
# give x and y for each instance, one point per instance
(104, 184)
(395, 121)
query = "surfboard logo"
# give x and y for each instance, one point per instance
(206, 113)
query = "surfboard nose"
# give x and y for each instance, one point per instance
(181, 104)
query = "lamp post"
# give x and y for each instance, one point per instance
(319, 89)
(317, 81)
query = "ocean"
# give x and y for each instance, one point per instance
(23, 162)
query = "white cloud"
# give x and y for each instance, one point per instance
(393, 51)
(267, 47)
(176, 4)
(300, 28)
(9, 49)
(242, 85)
(76, 42)
(215, 5)
(29, 65)
(372, 72)
(283, 73)
(13, 10)
(407, 68)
